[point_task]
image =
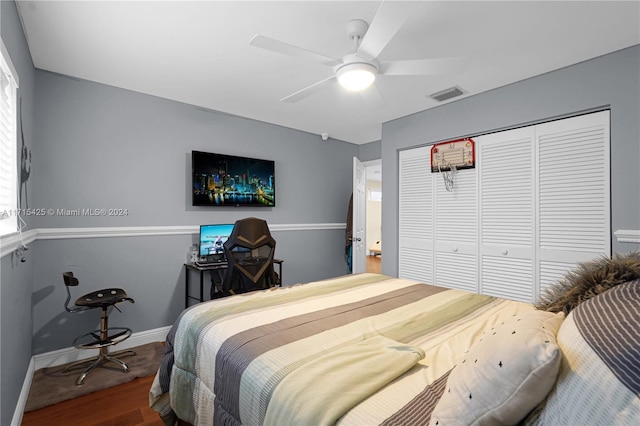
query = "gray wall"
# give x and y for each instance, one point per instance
(121, 149)
(16, 278)
(370, 151)
(609, 81)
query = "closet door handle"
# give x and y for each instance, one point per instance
(505, 252)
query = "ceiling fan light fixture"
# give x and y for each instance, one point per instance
(356, 76)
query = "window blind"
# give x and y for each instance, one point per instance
(8, 144)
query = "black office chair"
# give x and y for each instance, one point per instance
(104, 337)
(249, 251)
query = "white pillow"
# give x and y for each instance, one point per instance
(504, 375)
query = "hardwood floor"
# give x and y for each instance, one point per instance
(123, 405)
(374, 264)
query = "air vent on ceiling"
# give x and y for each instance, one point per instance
(452, 92)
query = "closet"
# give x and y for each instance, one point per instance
(536, 203)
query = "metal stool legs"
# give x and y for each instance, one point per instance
(99, 360)
(101, 339)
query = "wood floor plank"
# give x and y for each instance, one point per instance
(374, 264)
(123, 405)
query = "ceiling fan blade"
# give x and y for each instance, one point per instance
(433, 66)
(385, 24)
(303, 93)
(291, 50)
(372, 97)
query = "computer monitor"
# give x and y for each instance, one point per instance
(212, 238)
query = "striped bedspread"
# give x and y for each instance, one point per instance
(381, 346)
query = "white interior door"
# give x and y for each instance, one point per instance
(456, 232)
(415, 215)
(507, 214)
(359, 260)
(573, 205)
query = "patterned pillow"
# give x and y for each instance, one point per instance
(599, 379)
(503, 376)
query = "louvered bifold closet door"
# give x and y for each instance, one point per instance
(456, 231)
(574, 193)
(415, 215)
(506, 225)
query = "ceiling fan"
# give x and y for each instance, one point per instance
(357, 70)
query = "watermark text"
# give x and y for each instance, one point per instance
(65, 212)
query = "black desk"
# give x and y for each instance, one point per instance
(217, 271)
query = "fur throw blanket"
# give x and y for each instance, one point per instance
(588, 280)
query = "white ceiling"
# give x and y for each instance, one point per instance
(198, 52)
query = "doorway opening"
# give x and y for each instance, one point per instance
(373, 232)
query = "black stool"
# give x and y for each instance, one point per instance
(104, 337)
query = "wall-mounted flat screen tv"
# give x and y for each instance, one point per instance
(227, 180)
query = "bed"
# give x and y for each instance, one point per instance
(361, 349)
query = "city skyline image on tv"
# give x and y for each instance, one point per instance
(227, 180)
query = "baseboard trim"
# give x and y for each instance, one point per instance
(71, 354)
(24, 394)
(63, 356)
